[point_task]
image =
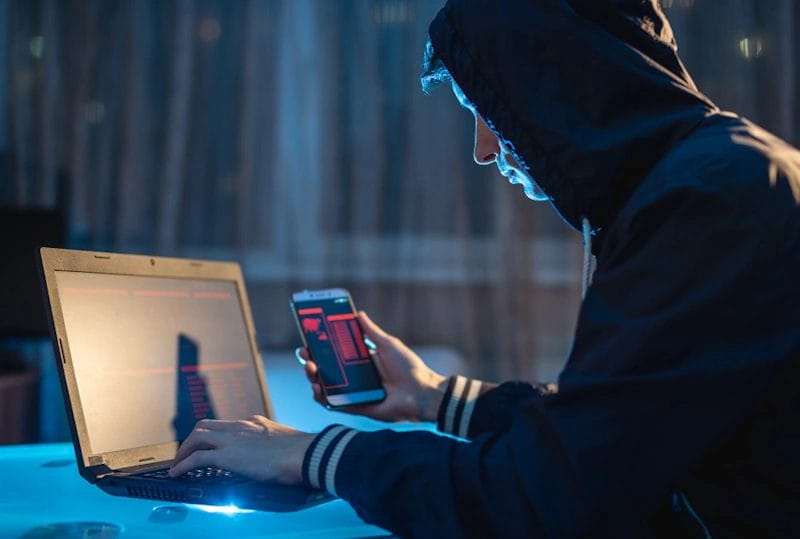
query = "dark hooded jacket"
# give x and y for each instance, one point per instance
(678, 412)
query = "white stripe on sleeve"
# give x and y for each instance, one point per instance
(316, 456)
(455, 397)
(469, 407)
(330, 469)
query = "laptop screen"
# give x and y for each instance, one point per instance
(153, 355)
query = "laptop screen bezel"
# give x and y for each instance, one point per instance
(54, 260)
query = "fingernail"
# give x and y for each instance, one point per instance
(298, 357)
(371, 345)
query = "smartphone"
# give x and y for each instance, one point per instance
(332, 334)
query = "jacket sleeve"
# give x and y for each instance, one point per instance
(468, 411)
(690, 317)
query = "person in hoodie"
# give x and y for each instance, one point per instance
(678, 411)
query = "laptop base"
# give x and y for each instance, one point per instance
(247, 495)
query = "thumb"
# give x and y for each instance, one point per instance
(371, 330)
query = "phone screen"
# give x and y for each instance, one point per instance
(333, 335)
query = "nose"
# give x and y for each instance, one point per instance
(487, 147)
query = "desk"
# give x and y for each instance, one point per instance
(41, 486)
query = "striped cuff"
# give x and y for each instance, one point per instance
(457, 405)
(322, 457)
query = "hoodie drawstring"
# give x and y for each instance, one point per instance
(588, 258)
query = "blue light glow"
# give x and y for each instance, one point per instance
(228, 510)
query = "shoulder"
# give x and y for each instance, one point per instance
(727, 173)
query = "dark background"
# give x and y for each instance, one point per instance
(292, 135)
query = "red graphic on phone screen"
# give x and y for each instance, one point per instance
(344, 347)
(313, 325)
(348, 339)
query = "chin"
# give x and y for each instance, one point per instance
(535, 194)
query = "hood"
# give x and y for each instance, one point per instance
(587, 94)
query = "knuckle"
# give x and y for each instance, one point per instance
(257, 419)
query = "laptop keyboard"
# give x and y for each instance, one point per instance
(199, 475)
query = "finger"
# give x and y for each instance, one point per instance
(198, 439)
(198, 459)
(217, 424)
(257, 419)
(311, 371)
(318, 394)
(372, 330)
(299, 356)
(358, 409)
(380, 365)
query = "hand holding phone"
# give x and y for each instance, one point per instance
(332, 334)
(414, 391)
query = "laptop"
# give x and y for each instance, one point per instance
(147, 346)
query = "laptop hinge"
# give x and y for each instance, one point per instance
(102, 470)
(141, 468)
(97, 472)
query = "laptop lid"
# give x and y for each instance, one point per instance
(146, 347)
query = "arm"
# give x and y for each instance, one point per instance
(460, 406)
(668, 362)
(471, 407)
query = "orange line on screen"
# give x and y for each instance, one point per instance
(187, 368)
(215, 367)
(96, 291)
(161, 293)
(311, 310)
(213, 295)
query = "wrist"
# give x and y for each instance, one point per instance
(297, 450)
(431, 397)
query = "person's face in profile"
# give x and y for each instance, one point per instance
(488, 149)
